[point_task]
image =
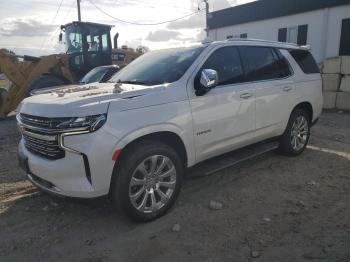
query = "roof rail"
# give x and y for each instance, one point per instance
(308, 47)
(261, 40)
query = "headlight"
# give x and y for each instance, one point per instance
(90, 123)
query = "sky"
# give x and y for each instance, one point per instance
(31, 27)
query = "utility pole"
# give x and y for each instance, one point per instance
(206, 16)
(79, 14)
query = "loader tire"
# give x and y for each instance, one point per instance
(43, 82)
(2, 101)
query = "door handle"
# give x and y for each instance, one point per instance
(287, 88)
(246, 95)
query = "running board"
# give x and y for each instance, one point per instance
(219, 163)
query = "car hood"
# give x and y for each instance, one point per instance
(83, 100)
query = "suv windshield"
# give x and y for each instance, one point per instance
(158, 67)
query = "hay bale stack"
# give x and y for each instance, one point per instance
(336, 82)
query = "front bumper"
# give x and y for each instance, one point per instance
(84, 172)
(37, 181)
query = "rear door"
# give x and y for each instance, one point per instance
(269, 71)
(224, 118)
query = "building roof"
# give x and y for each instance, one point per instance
(266, 9)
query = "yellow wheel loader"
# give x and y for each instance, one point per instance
(88, 45)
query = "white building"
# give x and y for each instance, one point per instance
(322, 24)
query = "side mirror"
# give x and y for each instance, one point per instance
(60, 37)
(208, 79)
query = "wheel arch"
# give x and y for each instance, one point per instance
(170, 138)
(307, 107)
(167, 137)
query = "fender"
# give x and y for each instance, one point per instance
(186, 138)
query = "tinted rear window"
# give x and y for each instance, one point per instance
(306, 61)
(263, 63)
(284, 69)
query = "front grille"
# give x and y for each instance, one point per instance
(44, 148)
(42, 122)
(38, 137)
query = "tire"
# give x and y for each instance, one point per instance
(44, 81)
(3, 91)
(135, 198)
(296, 136)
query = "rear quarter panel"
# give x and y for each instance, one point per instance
(307, 88)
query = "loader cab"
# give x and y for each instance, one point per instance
(88, 45)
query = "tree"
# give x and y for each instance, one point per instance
(10, 53)
(7, 51)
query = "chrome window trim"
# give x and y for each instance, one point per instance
(277, 49)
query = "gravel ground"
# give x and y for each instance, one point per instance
(270, 208)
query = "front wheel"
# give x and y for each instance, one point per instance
(148, 180)
(296, 136)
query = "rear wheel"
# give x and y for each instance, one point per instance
(148, 180)
(296, 136)
(44, 81)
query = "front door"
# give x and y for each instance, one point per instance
(224, 118)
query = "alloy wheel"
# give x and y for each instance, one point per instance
(152, 183)
(299, 133)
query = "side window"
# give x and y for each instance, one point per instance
(306, 61)
(226, 61)
(75, 42)
(260, 63)
(105, 42)
(284, 69)
(93, 42)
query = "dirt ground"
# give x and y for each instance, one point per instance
(275, 208)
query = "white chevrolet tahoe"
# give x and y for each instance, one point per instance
(134, 137)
